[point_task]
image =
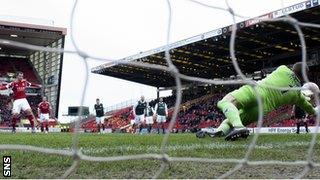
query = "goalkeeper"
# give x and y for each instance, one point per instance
(241, 108)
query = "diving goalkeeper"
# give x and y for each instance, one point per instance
(241, 108)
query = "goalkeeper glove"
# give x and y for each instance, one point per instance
(317, 110)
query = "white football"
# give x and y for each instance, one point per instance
(308, 89)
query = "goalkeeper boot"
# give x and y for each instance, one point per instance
(237, 133)
(215, 134)
(201, 134)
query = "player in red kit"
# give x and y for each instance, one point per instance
(20, 102)
(44, 112)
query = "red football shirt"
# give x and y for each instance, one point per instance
(44, 107)
(19, 88)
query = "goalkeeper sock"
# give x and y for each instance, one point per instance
(224, 127)
(231, 112)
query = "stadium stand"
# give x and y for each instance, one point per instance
(191, 93)
(261, 47)
(120, 117)
(5, 110)
(12, 65)
(198, 110)
(200, 113)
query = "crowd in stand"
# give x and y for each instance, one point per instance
(5, 109)
(187, 95)
(201, 112)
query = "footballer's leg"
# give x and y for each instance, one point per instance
(228, 105)
(222, 130)
(16, 109)
(162, 120)
(298, 127)
(46, 121)
(306, 125)
(247, 117)
(137, 123)
(15, 118)
(26, 108)
(158, 124)
(42, 127)
(242, 98)
(31, 118)
(103, 127)
(142, 122)
(230, 110)
(102, 124)
(98, 124)
(41, 123)
(149, 122)
(140, 127)
(47, 126)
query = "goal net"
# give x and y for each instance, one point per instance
(241, 162)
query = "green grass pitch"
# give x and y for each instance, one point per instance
(284, 147)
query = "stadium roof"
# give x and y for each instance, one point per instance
(27, 33)
(258, 45)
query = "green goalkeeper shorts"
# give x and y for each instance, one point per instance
(247, 100)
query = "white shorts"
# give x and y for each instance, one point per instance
(100, 120)
(161, 119)
(132, 121)
(44, 117)
(149, 120)
(139, 119)
(20, 104)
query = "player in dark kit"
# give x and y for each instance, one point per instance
(139, 110)
(162, 112)
(99, 115)
(301, 118)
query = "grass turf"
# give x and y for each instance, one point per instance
(284, 147)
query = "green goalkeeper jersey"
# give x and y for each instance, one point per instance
(273, 99)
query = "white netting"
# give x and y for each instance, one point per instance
(308, 163)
